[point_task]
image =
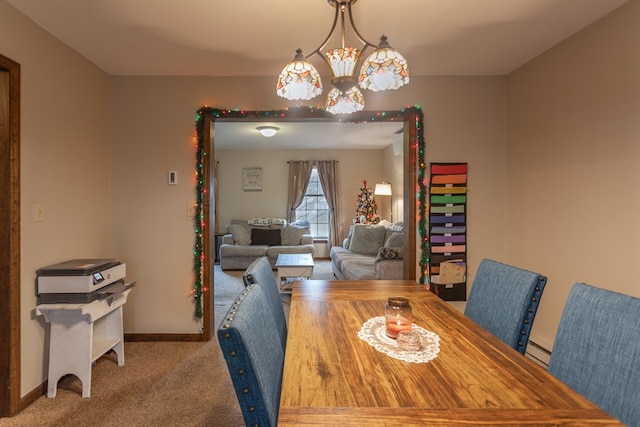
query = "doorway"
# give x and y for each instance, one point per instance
(416, 252)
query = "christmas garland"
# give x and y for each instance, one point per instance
(302, 113)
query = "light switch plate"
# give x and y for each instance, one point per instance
(38, 213)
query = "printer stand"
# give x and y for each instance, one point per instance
(80, 335)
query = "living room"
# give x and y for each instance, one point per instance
(354, 167)
(547, 145)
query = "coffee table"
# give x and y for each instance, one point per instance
(292, 267)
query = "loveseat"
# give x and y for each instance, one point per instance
(370, 252)
(248, 240)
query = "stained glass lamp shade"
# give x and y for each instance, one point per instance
(384, 69)
(348, 102)
(299, 79)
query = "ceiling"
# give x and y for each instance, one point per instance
(308, 135)
(258, 37)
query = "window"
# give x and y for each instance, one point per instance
(314, 208)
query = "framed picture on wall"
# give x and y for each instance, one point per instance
(252, 179)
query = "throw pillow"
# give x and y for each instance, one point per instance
(266, 222)
(394, 240)
(260, 236)
(292, 234)
(388, 253)
(367, 239)
(240, 234)
(385, 223)
(397, 227)
(347, 241)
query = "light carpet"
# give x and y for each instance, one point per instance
(162, 383)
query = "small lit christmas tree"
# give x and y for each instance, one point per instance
(367, 210)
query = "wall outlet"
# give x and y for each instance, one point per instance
(38, 213)
(191, 210)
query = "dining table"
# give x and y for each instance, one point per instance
(340, 369)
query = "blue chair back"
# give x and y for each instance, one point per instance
(504, 300)
(254, 356)
(259, 272)
(597, 350)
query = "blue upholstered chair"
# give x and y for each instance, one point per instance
(259, 272)
(254, 356)
(504, 300)
(597, 350)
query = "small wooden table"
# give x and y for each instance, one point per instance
(332, 377)
(292, 267)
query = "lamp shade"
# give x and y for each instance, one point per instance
(382, 189)
(343, 60)
(348, 102)
(299, 79)
(384, 69)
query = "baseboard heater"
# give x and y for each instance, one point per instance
(538, 353)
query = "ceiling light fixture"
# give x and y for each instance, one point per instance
(383, 69)
(268, 131)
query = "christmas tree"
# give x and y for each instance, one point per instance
(367, 210)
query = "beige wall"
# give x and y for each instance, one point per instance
(64, 165)
(573, 131)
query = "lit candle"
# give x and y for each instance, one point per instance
(398, 316)
(396, 324)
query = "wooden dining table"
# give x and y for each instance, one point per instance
(333, 377)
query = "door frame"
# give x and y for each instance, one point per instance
(9, 237)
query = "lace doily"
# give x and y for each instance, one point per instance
(373, 332)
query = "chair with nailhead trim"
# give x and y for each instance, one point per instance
(260, 272)
(255, 358)
(597, 350)
(504, 300)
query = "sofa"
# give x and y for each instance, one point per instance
(248, 240)
(370, 252)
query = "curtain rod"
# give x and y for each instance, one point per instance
(314, 161)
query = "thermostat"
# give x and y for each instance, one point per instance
(172, 178)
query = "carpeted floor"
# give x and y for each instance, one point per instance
(162, 383)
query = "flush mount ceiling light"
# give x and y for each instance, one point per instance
(268, 131)
(383, 69)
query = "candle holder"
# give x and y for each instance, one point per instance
(399, 316)
(409, 340)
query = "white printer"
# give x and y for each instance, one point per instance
(80, 281)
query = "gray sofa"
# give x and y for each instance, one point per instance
(370, 252)
(246, 242)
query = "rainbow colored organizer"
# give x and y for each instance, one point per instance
(448, 230)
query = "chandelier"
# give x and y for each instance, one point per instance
(383, 69)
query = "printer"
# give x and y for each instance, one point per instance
(80, 281)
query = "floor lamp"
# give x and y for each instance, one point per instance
(384, 189)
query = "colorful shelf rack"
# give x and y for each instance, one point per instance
(448, 227)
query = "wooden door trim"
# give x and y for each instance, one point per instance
(9, 237)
